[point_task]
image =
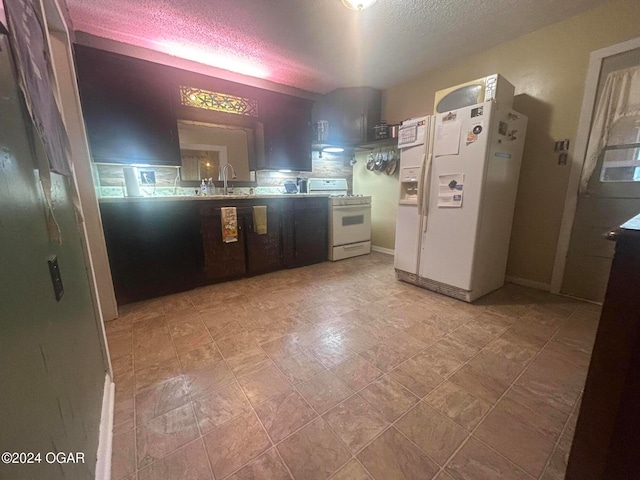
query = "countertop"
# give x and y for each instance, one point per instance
(178, 198)
(632, 224)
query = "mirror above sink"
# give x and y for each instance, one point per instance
(206, 147)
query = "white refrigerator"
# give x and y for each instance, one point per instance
(459, 174)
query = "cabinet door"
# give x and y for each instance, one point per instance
(222, 260)
(154, 248)
(310, 231)
(264, 252)
(351, 112)
(126, 104)
(287, 134)
(350, 118)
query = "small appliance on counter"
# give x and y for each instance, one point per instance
(290, 187)
(302, 185)
(131, 181)
(349, 218)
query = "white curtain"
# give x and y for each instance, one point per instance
(620, 98)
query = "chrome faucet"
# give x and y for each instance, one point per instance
(224, 177)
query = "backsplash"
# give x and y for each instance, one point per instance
(111, 178)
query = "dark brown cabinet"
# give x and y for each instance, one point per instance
(222, 261)
(287, 134)
(351, 113)
(607, 436)
(309, 234)
(131, 109)
(154, 248)
(264, 251)
(127, 108)
(157, 247)
(252, 254)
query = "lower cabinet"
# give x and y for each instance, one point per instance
(252, 254)
(159, 247)
(264, 251)
(607, 434)
(222, 261)
(309, 235)
(154, 248)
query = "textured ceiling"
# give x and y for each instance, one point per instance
(319, 45)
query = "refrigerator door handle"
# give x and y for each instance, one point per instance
(421, 184)
(424, 188)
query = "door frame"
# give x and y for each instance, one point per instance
(582, 137)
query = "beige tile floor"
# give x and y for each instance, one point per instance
(340, 371)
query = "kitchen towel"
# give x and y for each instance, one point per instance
(260, 219)
(229, 217)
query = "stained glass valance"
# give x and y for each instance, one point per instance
(220, 102)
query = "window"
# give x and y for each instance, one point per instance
(221, 102)
(621, 156)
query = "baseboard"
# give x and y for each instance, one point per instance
(388, 251)
(581, 299)
(105, 441)
(525, 282)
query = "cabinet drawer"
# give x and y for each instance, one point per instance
(310, 203)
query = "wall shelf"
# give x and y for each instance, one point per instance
(387, 142)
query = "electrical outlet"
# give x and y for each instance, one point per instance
(561, 145)
(56, 277)
(562, 159)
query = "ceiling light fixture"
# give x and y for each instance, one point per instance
(358, 4)
(333, 149)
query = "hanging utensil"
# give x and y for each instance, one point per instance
(371, 161)
(382, 163)
(392, 163)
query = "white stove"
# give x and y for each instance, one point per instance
(349, 218)
(349, 200)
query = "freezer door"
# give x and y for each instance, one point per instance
(408, 220)
(407, 246)
(456, 183)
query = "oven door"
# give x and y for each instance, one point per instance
(350, 224)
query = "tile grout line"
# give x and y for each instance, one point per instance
(252, 410)
(556, 445)
(384, 374)
(318, 416)
(189, 400)
(446, 378)
(472, 432)
(152, 386)
(193, 408)
(294, 387)
(420, 399)
(390, 424)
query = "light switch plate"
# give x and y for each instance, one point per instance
(56, 277)
(562, 159)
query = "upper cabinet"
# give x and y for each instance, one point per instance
(287, 134)
(351, 114)
(131, 109)
(127, 109)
